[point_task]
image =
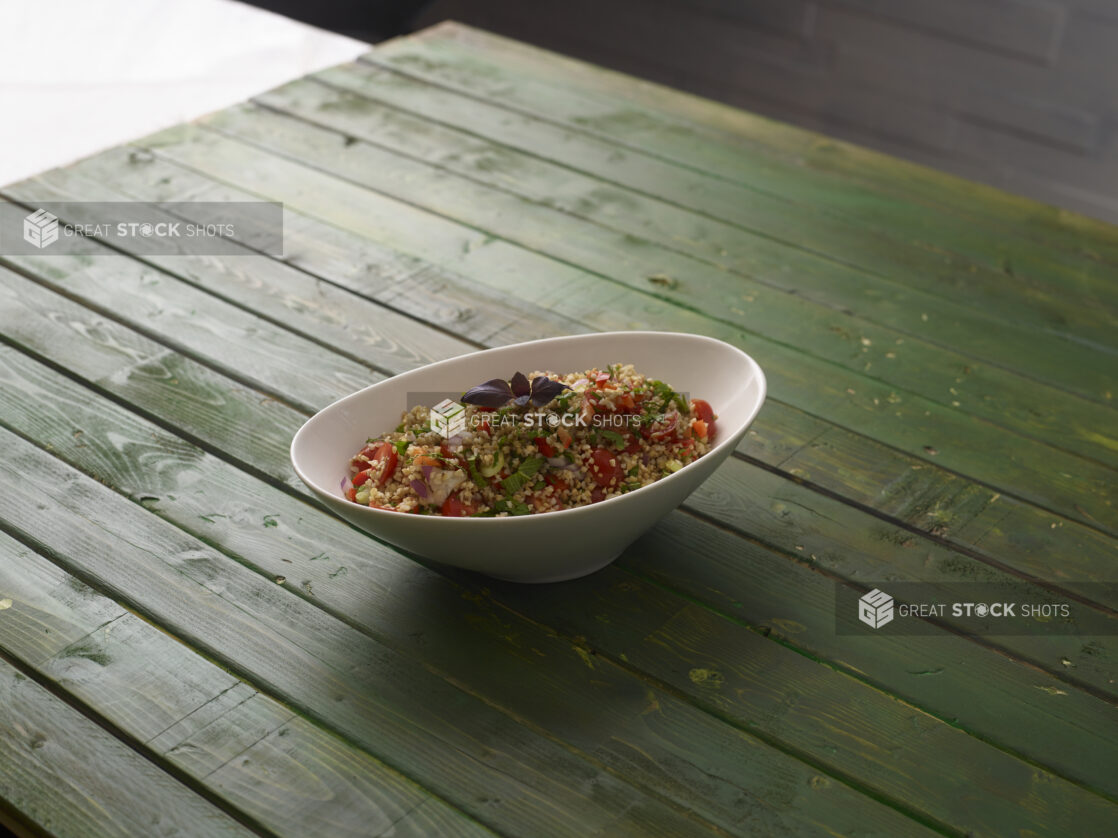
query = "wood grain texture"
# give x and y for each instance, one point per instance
(1043, 244)
(269, 288)
(46, 750)
(838, 264)
(116, 286)
(198, 717)
(33, 311)
(791, 599)
(912, 490)
(873, 553)
(279, 535)
(324, 587)
(384, 702)
(1027, 469)
(972, 392)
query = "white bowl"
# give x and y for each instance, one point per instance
(552, 546)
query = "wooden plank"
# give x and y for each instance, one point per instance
(972, 516)
(380, 700)
(914, 491)
(757, 264)
(372, 335)
(904, 279)
(329, 563)
(245, 532)
(253, 752)
(186, 317)
(137, 368)
(910, 365)
(194, 580)
(792, 698)
(1067, 485)
(47, 751)
(927, 496)
(791, 599)
(856, 546)
(420, 289)
(984, 223)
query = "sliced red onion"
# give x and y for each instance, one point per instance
(453, 443)
(420, 487)
(426, 471)
(580, 383)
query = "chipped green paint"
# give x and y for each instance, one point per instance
(704, 677)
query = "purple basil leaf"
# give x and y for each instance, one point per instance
(520, 386)
(493, 393)
(544, 390)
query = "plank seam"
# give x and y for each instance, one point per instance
(601, 178)
(770, 634)
(376, 637)
(1008, 493)
(1062, 676)
(372, 59)
(244, 307)
(153, 336)
(678, 304)
(211, 655)
(127, 739)
(928, 535)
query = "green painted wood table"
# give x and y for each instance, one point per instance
(190, 645)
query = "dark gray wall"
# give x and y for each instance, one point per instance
(1021, 94)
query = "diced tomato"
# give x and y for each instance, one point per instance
(360, 478)
(424, 460)
(545, 448)
(484, 426)
(702, 410)
(705, 413)
(627, 404)
(604, 467)
(699, 429)
(351, 494)
(597, 494)
(555, 481)
(363, 459)
(385, 455)
(667, 429)
(564, 437)
(454, 507)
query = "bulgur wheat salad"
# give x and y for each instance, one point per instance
(531, 444)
